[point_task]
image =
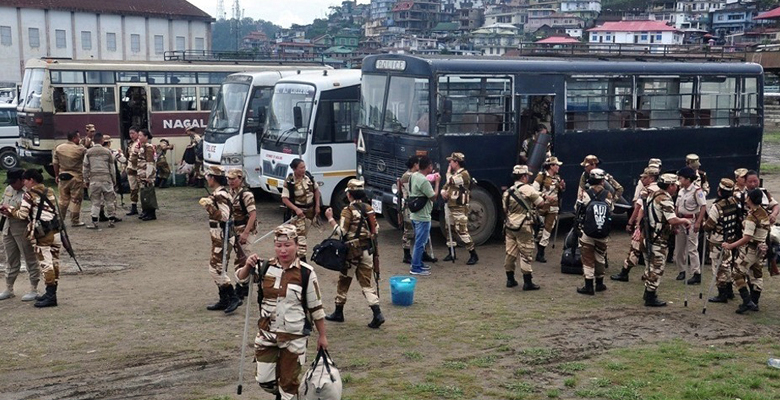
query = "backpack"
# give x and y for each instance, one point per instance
(322, 381)
(597, 220)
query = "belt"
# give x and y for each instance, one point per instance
(213, 224)
(688, 216)
(306, 206)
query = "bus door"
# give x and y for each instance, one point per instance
(133, 110)
(254, 126)
(537, 98)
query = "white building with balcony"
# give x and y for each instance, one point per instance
(635, 32)
(496, 39)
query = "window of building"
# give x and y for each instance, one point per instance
(643, 37)
(86, 40)
(135, 43)
(174, 98)
(111, 41)
(34, 36)
(479, 104)
(199, 44)
(180, 43)
(59, 36)
(659, 37)
(68, 99)
(102, 99)
(159, 46)
(5, 35)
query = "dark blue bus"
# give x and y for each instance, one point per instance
(623, 112)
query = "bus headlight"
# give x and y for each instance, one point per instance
(360, 170)
(36, 141)
(232, 160)
(394, 188)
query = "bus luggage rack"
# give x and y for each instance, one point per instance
(662, 52)
(235, 56)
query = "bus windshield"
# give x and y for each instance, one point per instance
(225, 118)
(407, 109)
(32, 88)
(290, 102)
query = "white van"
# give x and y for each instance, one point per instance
(9, 135)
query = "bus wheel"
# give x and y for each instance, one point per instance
(9, 159)
(49, 169)
(482, 217)
(338, 200)
(391, 215)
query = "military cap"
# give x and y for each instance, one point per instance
(215, 170)
(106, 139)
(597, 173)
(726, 184)
(285, 232)
(90, 127)
(520, 170)
(654, 162)
(235, 173)
(590, 159)
(739, 173)
(687, 172)
(456, 157)
(14, 175)
(650, 171)
(552, 160)
(693, 160)
(668, 178)
(355, 184)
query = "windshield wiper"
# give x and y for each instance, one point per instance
(284, 134)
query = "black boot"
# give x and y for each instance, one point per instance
(133, 210)
(730, 291)
(621, 277)
(651, 299)
(641, 260)
(242, 290)
(407, 256)
(588, 288)
(721, 297)
(378, 319)
(338, 314)
(681, 276)
(223, 300)
(150, 215)
(695, 279)
(427, 258)
(528, 283)
(156, 182)
(600, 286)
(102, 217)
(49, 299)
(473, 259)
(233, 300)
(449, 256)
(540, 254)
(755, 295)
(164, 183)
(510, 279)
(747, 302)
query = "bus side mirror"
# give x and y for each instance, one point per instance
(446, 114)
(297, 117)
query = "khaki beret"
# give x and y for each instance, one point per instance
(355, 184)
(285, 232)
(590, 159)
(726, 184)
(215, 170)
(235, 173)
(520, 170)
(456, 157)
(739, 173)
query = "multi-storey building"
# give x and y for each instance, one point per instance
(635, 32)
(496, 39)
(417, 16)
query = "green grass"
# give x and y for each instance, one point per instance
(772, 137)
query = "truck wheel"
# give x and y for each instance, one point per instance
(391, 215)
(9, 159)
(483, 217)
(338, 200)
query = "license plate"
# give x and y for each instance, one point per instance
(273, 182)
(376, 205)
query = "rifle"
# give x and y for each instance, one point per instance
(647, 231)
(376, 263)
(225, 244)
(64, 234)
(246, 329)
(557, 220)
(399, 204)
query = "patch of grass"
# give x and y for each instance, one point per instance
(571, 367)
(539, 355)
(440, 391)
(413, 355)
(570, 382)
(770, 168)
(455, 365)
(483, 361)
(616, 366)
(772, 137)
(553, 393)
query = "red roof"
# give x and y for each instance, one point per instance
(557, 40)
(634, 26)
(175, 9)
(403, 6)
(771, 14)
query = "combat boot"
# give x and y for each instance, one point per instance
(426, 258)
(449, 256)
(622, 276)
(730, 291)
(337, 315)
(528, 283)
(133, 209)
(473, 259)
(223, 300)
(49, 299)
(747, 302)
(540, 254)
(755, 295)
(651, 300)
(407, 256)
(94, 224)
(695, 279)
(103, 217)
(164, 184)
(233, 300)
(680, 276)
(588, 288)
(721, 297)
(600, 286)
(242, 290)
(510, 279)
(150, 215)
(378, 319)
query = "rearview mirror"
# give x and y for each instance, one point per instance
(297, 117)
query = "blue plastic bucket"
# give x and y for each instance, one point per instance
(402, 290)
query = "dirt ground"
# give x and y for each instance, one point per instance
(134, 323)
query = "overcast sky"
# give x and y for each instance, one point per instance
(280, 12)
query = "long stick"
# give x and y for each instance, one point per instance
(272, 230)
(688, 265)
(557, 221)
(450, 241)
(225, 244)
(246, 330)
(712, 284)
(701, 265)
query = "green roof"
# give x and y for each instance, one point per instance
(446, 26)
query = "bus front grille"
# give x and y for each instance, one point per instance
(381, 172)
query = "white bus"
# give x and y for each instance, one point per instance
(313, 117)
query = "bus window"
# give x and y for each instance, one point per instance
(599, 103)
(748, 114)
(407, 103)
(372, 97)
(719, 98)
(659, 102)
(69, 99)
(97, 77)
(174, 98)
(479, 104)
(67, 77)
(335, 122)
(102, 99)
(32, 91)
(207, 95)
(122, 76)
(258, 108)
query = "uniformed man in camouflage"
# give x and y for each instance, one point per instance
(636, 225)
(520, 203)
(218, 205)
(724, 226)
(68, 162)
(301, 195)
(87, 141)
(244, 221)
(594, 249)
(132, 169)
(527, 146)
(768, 201)
(196, 175)
(661, 218)
(691, 204)
(358, 229)
(43, 229)
(15, 241)
(550, 184)
(692, 161)
(288, 299)
(752, 249)
(654, 163)
(589, 163)
(740, 190)
(100, 179)
(457, 193)
(146, 168)
(163, 168)
(405, 217)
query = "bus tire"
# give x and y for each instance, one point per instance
(391, 215)
(338, 200)
(483, 216)
(49, 169)
(9, 159)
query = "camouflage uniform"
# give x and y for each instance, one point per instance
(100, 174)
(607, 178)
(16, 244)
(86, 141)
(519, 234)
(360, 255)
(132, 170)
(69, 157)
(218, 205)
(661, 211)
(408, 237)
(303, 198)
(749, 261)
(722, 217)
(163, 168)
(243, 205)
(638, 238)
(594, 251)
(458, 187)
(146, 173)
(549, 186)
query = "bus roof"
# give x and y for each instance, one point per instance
(93, 65)
(269, 78)
(427, 66)
(327, 79)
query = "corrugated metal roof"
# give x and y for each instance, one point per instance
(771, 14)
(633, 26)
(174, 9)
(557, 40)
